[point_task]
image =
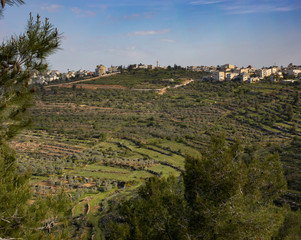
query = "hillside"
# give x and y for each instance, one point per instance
(102, 143)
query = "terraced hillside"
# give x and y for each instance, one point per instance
(99, 144)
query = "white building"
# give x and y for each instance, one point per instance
(218, 76)
(150, 67)
(264, 72)
(100, 70)
(276, 77)
(232, 75)
(113, 69)
(244, 70)
(245, 77)
(142, 66)
(275, 70)
(251, 69)
(45, 78)
(294, 72)
(254, 79)
(228, 66)
(70, 74)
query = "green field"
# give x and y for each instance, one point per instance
(146, 79)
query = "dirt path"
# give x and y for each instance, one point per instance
(163, 90)
(185, 82)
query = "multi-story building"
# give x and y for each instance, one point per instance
(142, 66)
(100, 70)
(275, 70)
(70, 74)
(191, 68)
(231, 75)
(218, 76)
(293, 72)
(251, 69)
(245, 77)
(244, 70)
(228, 66)
(113, 69)
(276, 77)
(264, 72)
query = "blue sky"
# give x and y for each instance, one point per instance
(183, 32)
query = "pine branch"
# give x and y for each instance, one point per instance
(19, 56)
(11, 2)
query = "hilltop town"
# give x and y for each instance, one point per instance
(230, 72)
(227, 72)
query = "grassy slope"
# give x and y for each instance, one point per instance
(142, 79)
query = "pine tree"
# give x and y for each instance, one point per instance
(158, 213)
(291, 228)
(220, 197)
(231, 199)
(19, 56)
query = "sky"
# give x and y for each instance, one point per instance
(183, 32)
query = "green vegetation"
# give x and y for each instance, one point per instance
(24, 215)
(148, 79)
(135, 163)
(102, 144)
(219, 197)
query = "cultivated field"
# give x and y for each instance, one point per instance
(100, 144)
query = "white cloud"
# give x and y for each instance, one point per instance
(132, 16)
(89, 13)
(206, 2)
(102, 7)
(131, 48)
(168, 40)
(99, 7)
(111, 19)
(51, 8)
(76, 10)
(236, 7)
(149, 32)
(248, 9)
(283, 9)
(83, 13)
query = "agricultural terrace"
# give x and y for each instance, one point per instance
(102, 143)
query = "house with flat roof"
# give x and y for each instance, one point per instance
(100, 70)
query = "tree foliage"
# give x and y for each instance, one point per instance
(21, 215)
(156, 214)
(231, 199)
(19, 57)
(219, 196)
(10, 3)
